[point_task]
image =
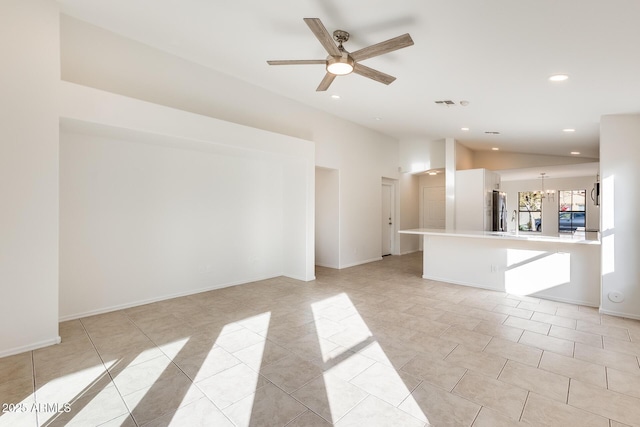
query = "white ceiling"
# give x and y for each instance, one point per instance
(495, 54)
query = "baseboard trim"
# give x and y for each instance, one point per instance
(319, 264)
(161, 298)
(302, 279)
(568, 301)
(29, 347)
(367, 261)
(619, 314)
(461, 283)
(410, 252)
(535, 295)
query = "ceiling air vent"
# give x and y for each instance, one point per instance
(446, 102)
(492, 132)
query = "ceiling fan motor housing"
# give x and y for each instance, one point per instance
(340, 36)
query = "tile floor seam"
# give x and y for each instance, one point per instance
(540, 359)
(469, 400)
(33, 381)
(412, 390)
(140, 329)
(346, 413)
(403, 400)
(526, 399)
(93, 344)
(300, 416)
(293, 391)
(205, 396)
(477, 415)
(466, 370)
(595, 413)
(502, 369)
(411, 415)
(332, 422)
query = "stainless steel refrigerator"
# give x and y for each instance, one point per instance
(499, 211)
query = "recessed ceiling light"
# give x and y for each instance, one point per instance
(433, 173)
(575, 153)
(495, 148)
(558, 77)
(464, 129)
(568, 130)
(335, 96)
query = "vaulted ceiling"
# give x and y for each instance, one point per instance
(496, 55)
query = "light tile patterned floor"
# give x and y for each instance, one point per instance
(372, 345)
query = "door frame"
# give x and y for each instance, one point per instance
(395, 214)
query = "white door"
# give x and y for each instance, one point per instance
(433, 208)
(387, 218)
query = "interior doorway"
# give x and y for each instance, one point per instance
(433, 207)
(432, 201)
(327, 221)
(387, 217)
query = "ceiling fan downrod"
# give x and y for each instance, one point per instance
(341, 36)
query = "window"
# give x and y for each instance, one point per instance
(529, 211)
(572, 210)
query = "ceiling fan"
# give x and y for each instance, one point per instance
(340, 62)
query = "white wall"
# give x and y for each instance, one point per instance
(140, 221)
(298, 219)
(497, 160)
(550, 209)
(409, 211)
(361, 155)
(419, 155)
(363, 163)
(157, 202)
(29, 78)
(464, 157)
(473, 199)
(327, 218)
(620, 175)
(450, 182)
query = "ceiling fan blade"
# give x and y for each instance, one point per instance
(326, 82)
(382, 47)
(297, 62)
(321, 33)
(372, 74)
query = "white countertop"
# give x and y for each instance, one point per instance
(578, 238)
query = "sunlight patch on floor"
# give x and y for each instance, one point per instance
(68, 389)
(375, 375)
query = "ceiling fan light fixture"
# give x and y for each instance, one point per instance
(340, 65)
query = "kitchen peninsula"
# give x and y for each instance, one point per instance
(562, 268)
